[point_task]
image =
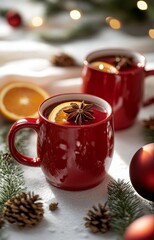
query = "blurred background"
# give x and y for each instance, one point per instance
(33, 30)
(56, 21)
(59, 21)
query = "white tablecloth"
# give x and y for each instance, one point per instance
(67, 222)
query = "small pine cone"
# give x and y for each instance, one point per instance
(53, 206)
(24, 209)
(63, 60)
(98, 219)
(149, 124)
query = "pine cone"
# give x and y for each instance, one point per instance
(24, 209)
(63, 60)
(53, 206)
(98, 219)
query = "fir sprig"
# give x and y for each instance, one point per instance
(123, 207)
(149, 135)
(12, 180)
(148, 129)
(124, 204)
(150, 206)
(11, 174)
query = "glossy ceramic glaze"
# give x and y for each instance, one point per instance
(124, 91)
(71, 157)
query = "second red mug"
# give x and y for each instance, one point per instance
(123, 89)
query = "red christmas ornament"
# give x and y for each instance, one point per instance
(142, 171)
(141, 229)
(13, 18)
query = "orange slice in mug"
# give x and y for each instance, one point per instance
(104, 67)
(58, 115)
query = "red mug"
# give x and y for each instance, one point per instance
(72, 157)
(123, 90)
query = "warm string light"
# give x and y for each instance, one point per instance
(36, 21)
(151, 33)
(114, 23)
(101, 66)
(75, 14)
(142, 5)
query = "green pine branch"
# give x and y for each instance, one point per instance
(148, 129)
(11, 178)
(149, 135)
(123, 207)
(150, 207)
(124, 204)
(11, 174)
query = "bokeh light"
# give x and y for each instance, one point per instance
(142, 5)
(37, 21)
(151, 33)
(75, 14)
(113, 22)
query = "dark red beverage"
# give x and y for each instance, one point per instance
(98, 113)
(121, 63)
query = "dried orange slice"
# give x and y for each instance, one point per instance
(104, 67)
(21, 99)
(58, 115)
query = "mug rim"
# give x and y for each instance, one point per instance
(44, 105)
(111, 51)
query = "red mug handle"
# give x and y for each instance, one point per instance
(151, 100)
(18, 125)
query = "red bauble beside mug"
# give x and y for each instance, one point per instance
(142, 171)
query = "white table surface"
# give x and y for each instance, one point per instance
(67, 222)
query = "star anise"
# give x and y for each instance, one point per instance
(122, 62)
(80, 113)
